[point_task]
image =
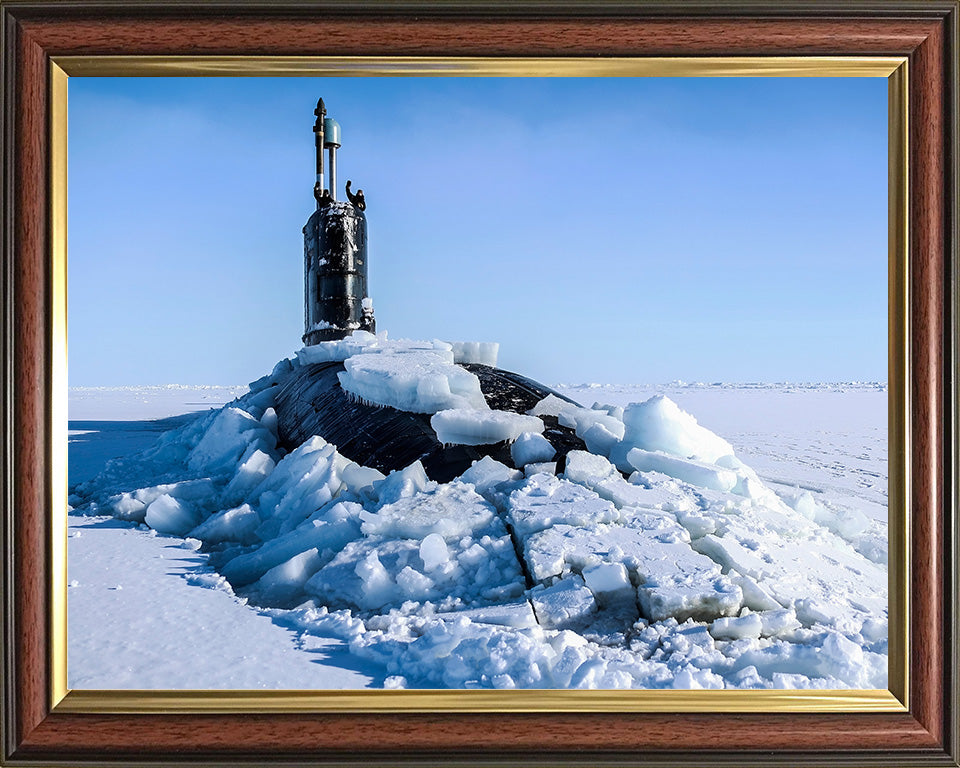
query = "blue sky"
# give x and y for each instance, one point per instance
(621, 230)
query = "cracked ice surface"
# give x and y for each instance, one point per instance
(658, 559)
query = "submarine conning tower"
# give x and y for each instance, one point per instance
(310, 399)
(334, 249)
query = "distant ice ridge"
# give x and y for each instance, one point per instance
(837, 386)
(657, 559)
(163, 387)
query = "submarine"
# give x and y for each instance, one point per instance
(309, 398)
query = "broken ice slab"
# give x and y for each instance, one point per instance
(564, 605)
(518, 614)
(602, 477)
(696, 473)
(473, 426)
(544, 500)
(673, 579)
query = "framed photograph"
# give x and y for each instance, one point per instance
(857, 675)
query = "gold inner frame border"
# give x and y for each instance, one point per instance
(893, 699)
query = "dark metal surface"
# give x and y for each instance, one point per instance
(357, 199)
(311, 402)
(335, 273)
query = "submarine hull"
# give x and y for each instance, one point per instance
(310, 401)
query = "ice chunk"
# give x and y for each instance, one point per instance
(778, 622)
(283, 584)
(530, 448)
(694, 472)
(481, 352)
(413, 584)
(732, 554)
(608, 581)
(844, 655)
(874, 629)
(668, 592)
(126, 506)
(168, 515)
(226, 440)
(697, 525)
(403, 483)
(614, 410)
(540, 468)
(269, 420)
(377, 588)
(256, 404)
(584, 419)
(566, 603)
(598, 428)
(736, 628)
(487, 474)
(658, 424)
(238, 524)
(132, 505)
(803, 503)
(691, 678)
(303, 482)
(360, 479)
(811, 611)
(433, 552)
(466, 426)
(551, 405)
(599, 439)
(337, 351)
(587, 468)
(255, 466)
(845, 522)
(420, 381)
(755, 597)
(544, 500)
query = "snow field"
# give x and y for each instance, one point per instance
(119, 639)
(658, 559)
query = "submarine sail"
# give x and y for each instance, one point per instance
(310, 399)
(334, 251)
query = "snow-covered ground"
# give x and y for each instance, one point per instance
(748, 550)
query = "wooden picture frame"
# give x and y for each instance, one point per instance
(38, 35)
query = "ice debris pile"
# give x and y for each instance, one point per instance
(656, 559)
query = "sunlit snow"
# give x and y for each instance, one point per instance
(658, 558)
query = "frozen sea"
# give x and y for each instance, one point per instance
(145, 607)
